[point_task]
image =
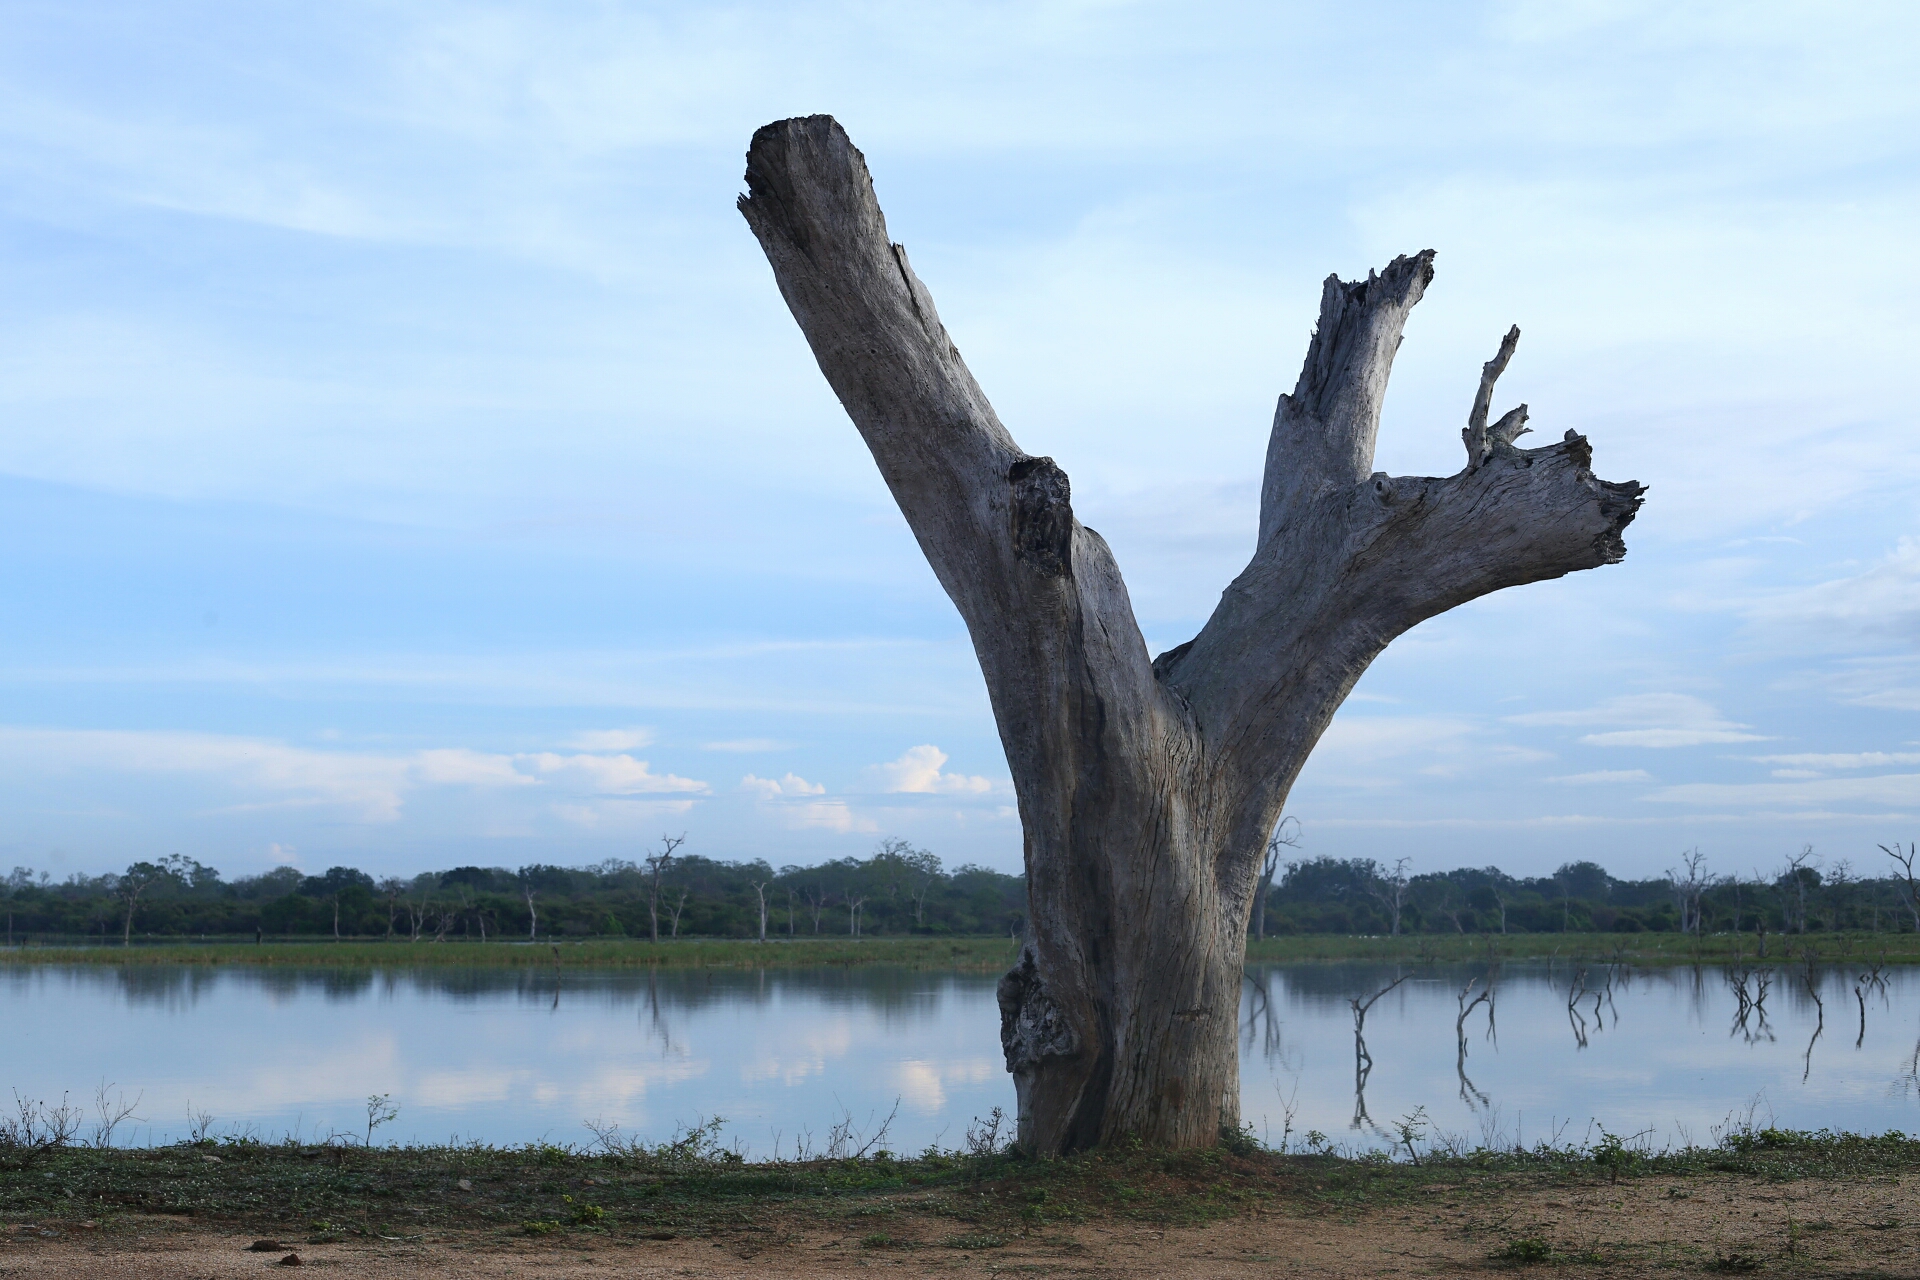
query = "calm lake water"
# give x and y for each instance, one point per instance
(505, 1057)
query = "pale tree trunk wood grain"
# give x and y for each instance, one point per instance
(1148, 788)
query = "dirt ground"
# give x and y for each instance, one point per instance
(1720, 1225)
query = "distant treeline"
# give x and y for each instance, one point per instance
(1362, 896)
(904, 890)
(898, 890)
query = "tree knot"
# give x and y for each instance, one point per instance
(1042, 515)
(1032, 1026)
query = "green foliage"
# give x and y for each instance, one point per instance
(901, 891)
(1525, 1250)
(1612, 1154)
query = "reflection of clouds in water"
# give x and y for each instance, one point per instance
(448, 1089)
(922, 1085)
(486, 1054)
(609, 1089)
(803, 1054)
(344, 1073)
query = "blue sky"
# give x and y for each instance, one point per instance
(408, 461)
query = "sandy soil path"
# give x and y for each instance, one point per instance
(1652, 1226)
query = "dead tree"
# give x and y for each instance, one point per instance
(1797, 872)
(1689, 886)
(1148, 786)
(1909, 877)
(657, 867)
(1285, 836)
(393, 887)
(1390, 889)
(139, 877)
(533, 916)
(760, 891)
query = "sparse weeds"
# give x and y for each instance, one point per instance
(989, 1137)
(694, 1183)
(36, 1129)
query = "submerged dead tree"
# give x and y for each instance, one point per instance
(1148, 786)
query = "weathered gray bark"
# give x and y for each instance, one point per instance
(1148, 787)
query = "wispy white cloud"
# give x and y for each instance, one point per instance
(1899, 790)
(1656, 720)
(1842, 759)
(611, 739)
(831, 815)
(260, 774)
(1601, 776)
(1878, 604)
(1376, 751)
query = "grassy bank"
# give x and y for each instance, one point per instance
(302, 1195)
(1624, 948)
(980, 954)
(984, 954)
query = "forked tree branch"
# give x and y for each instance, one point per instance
(1481, 441)
(1324, 433)
(1346, 559)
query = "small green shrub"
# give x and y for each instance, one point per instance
(1525, 1250)
(586, 1215)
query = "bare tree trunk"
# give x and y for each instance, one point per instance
(657, 864)
(1286, 835)
(1148, 787)
(1909, 878)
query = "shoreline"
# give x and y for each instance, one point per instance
(1764, 1199)
(978, 954)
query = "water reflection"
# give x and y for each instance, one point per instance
(521, 1054)
(1362, 1060)
(1637, 1047)
(1469, 1094)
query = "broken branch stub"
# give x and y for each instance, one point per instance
(1148, 789)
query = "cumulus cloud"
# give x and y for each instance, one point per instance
(620, 775)
(791, 784)
(454, 766)
(1656, 720)
(917, 771)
